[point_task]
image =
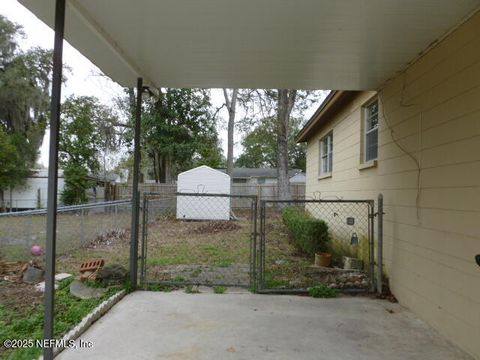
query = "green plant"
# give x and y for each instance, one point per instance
(309, 234)
(129, 286)
(219, 289)
(273, 282)
(27, 323)
(95, 283)
(159, 287)
(224, 263)
(322, 291)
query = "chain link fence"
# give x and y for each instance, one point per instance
(99, 230)
(204, 239)
(284, 265)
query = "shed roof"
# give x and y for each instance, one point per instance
(301, 44)
(203, 168)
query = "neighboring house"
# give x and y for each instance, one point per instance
(104, 188)
(32, 195)
(416, 140)
(259, 176)
(299, 178)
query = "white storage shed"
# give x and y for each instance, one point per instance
(203, 180)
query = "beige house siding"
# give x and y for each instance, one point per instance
(433, 109)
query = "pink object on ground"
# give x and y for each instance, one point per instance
(36, 250)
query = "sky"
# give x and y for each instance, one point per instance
(86, 78)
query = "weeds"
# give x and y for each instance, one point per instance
(159, 287)
(69, 311)
(219, 289)
(322, 291)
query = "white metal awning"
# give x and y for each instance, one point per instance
(304, 44)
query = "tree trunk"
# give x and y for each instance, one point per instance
(168, 169)
(165, 169)
(286, 100)
(231, 107)
(161, 169)
(156, 167)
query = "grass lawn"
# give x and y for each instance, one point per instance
(22, 317)
(209, 252)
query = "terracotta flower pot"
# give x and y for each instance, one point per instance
(323, 259)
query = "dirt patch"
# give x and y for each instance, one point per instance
(234, 275)
(109, 238)
(19, 296)
(213, 227)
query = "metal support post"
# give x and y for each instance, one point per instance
(53, 175)
(135, 193)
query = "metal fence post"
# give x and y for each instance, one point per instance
(380, 245)
(30, 236)
(82, 227)
(143, 269)
(255, 234)
(261, 260)
(371, 230)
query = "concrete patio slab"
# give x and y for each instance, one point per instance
(176, 325)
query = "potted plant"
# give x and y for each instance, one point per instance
(323, 259)
(320, 243)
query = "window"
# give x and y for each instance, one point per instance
(326, 155)
(261, 180)
(371, 132)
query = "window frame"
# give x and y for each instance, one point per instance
(328, 156)
(365, 122)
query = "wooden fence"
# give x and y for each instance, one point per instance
(264, 191)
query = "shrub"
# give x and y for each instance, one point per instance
(322, 291)
(309, 234)
(219, 289)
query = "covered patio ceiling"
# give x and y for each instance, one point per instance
(302, 44)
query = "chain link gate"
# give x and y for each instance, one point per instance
(199, 239)
(284, 266)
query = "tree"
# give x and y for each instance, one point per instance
(260, 146)
(281, 104)
(24, 86)
(286, 101)
(24, 101)
(231, 104)
(178, 132)
(83, 135)
(209, 153)
(12, 171)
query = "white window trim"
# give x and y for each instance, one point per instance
(325, 174)
(370, 162)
